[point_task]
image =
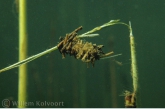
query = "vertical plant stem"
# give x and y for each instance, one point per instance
(22, 79)
(113, 76)
(133, 65)
(113, 87)
(75, 84)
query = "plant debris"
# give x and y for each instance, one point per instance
(86, 51)
(130, 100)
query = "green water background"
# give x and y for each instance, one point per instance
(51, 78)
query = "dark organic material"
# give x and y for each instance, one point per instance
(130, 101)
(86, 51)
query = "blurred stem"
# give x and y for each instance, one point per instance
(112, 72)
(22, 80)
(113, 87)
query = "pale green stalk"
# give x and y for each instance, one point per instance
(133, 63)
(29, 59)
(22, 79)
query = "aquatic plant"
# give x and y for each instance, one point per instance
(73, 45)
(87, 34)
(131, 98)
(22, 76)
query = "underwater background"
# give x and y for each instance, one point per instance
(53, 79)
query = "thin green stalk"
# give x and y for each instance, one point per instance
(131, 99)
(22, 80)
(134, 65)
(29, 59)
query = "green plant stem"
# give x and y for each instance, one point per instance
(133, 64)
(22, 79)
(29, 59)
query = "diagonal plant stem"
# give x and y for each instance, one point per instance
(87, 34)
(29, 59)
(110, 23)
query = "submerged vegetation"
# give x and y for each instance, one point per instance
(87, 34)
(86, 51)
